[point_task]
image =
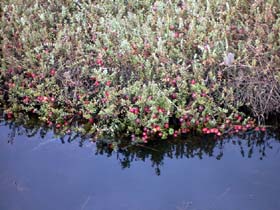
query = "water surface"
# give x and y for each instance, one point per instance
(46, 173)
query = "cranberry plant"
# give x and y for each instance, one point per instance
(142, 69)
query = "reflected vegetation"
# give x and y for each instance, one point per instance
(250, 144)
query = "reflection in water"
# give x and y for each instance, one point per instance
(249, 144)
(190, 147)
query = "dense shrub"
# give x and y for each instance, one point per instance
(141, 68)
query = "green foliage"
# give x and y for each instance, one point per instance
(150, 68)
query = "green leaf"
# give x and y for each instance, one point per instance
(171, 131)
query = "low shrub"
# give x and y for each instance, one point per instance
(142, 69)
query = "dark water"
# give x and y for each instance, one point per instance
(241, 173)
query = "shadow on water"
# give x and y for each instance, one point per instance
(250, 144)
